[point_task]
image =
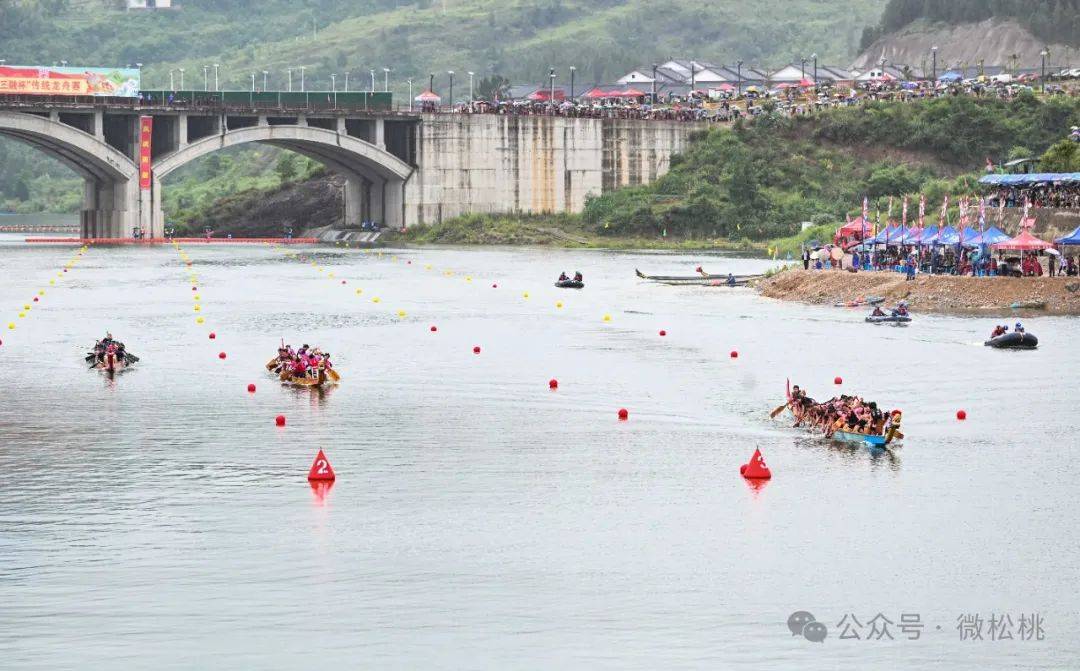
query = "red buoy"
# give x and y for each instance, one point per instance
(35, 299)
(212, 335)
(494, 286)
(251, 389)
(65, 270)
(343, 281)
(624, 414)
(553, 383)
(734, 354)
(476, 350)
(434, 328)
(280, 420)
(408, 263)
(838, 380)
(961, 415)
(698, 269)
(663, 332)
(756, 468)
(321, 471)
(221, 355)
(194, 288)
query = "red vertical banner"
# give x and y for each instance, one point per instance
(146, 130)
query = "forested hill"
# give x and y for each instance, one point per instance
(518, 39)
(1052, 21)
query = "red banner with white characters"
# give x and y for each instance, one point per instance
(146, 131)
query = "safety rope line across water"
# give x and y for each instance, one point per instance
(24, 312)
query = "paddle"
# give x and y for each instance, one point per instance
(779, 410)
(333, 375)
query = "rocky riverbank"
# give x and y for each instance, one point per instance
(928, 293)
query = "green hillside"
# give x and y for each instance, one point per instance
(519, 39)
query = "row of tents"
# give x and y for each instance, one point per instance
(967, 237)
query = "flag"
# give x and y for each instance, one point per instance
(922, 211)
(944, 210)
(889, 215)
(903, 214)
(865, 214)
(989, 165)
(982, 214)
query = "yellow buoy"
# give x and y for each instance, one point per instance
(525, 295)
(11, 326)
(197, 308)
(41, 293)
(559, 304)
(359, 291)
(196, 298)
(26, 307)
(330, 275)
(607, 318)
(468, 279)
(22, 315)
(375, 300)
(52, 282)
(400, 313)
(427, 266)
(199, 320)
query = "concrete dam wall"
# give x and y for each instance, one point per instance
(532, 164)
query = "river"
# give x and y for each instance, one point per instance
(480, 520)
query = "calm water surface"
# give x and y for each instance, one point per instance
(479, 520)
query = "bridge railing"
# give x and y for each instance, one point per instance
(377, 102)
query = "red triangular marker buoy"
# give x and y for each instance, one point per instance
(321, 469)
(756, 469)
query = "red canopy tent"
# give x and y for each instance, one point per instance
(726, 87)
(595, 93)
(1025, 242)
(545, 94)
(628, 93)
(428, 97)
(806, 83)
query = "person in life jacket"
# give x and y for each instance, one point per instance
(878, 312)
(730, 280)
(1018, 328)
(563, 277)
(999, 330)
(578, 277)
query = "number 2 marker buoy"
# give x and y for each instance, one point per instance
(321, 471)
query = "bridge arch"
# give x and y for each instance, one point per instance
(365, 166)
(111, 202)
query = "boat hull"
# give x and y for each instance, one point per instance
(1013, 341)
(872, 441)
(570, 284)
(888, 319)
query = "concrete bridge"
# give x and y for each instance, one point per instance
(400, 169)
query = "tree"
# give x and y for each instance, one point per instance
(492, 88)
(1061, 157)
(286, 167)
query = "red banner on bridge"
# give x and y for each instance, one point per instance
(146, 131)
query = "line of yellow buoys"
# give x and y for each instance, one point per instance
(24, 312)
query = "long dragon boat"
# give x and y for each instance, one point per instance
(702, 278)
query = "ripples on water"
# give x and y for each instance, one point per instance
(479, 520)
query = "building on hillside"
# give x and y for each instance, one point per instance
(795, 73)
(151, 4)
(888, 72)
(680, 76)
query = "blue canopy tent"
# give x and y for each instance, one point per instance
(968, 236)
(1030, 178)
(951, 76)
(890, 234)
(990, 236)
(1070, 239)
(911, 236)
(928, 234)
(946, 236)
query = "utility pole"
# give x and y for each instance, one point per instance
(933, 52)
(333, 87)
(410, 95)
(814, 56)
(654, 66)
(451, 73)
(551, 100)
(290, 79)
(1044, 53)
(470, 86)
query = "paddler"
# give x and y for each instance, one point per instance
(563, 277)
(578, 277)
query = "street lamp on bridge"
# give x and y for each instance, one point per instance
(172, 84)
(451, 73)
(410, 95)
(814, 56)
(289, 70)
(551, 100)
(386, 79)
(181, 79)
(346, 81)
(470, 86)
(206, 78)
(264, 79)
(333, 87)
(216, 87)
(253, 82)
(302, 68)
(572, 71)
(1044, 53)
(372, 71)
